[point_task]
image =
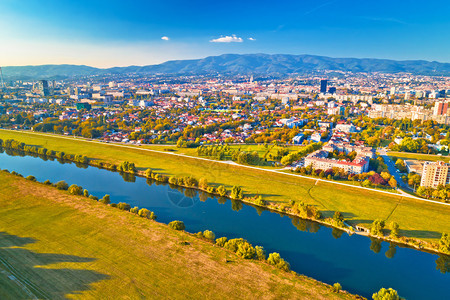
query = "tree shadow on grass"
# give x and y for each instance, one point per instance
(420, 234)
(251, 195)
(30, 274)
(330, 213)
(359, 221)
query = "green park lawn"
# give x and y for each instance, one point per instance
(54, 245)
(417, 219)
(260, 149)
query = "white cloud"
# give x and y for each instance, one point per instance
(227, 39)
(251, 39)
(166, 38)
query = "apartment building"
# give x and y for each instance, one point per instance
(319, 160)
(435, 173)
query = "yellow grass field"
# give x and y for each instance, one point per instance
(54, 245)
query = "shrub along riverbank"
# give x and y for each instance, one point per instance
(415, 211)
(96, 250)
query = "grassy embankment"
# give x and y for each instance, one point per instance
(417, 219)
(417, 156)
(55, 245)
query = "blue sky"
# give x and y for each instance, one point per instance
(117, 33)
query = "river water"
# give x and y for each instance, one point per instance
(359, 264)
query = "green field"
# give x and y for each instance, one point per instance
(260, 149)
(417, 219)
(54, 245)
(418, 156)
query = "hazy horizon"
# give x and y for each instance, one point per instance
(203, 57)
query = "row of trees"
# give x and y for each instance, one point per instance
(245, 250)
(294, 156)
(239, 246)
(225, 152)
(305, 211)
(19, 146)
(415, 146)
(441, 192)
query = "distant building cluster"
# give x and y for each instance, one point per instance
(440, 113)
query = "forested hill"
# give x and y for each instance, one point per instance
(258, 64)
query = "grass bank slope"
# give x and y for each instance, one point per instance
(54, 245)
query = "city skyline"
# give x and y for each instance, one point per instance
(107, 33)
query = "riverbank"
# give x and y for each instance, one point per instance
(360, 207)
(85, 249)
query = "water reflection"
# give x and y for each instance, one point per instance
(337, 233)
(236, 205)
(443, 263)
(305, 225)
(375, 245)
(391, 251)
(128, 177)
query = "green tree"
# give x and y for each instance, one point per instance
(75, 190)
(237, 193)
(392, 182)
(444, 243)
(208, 234)
(394, 229)
(276, 260)
(221, 241)
(377, 227)
(260, 253)
(173, 180)
(106, 199)
(246, 250)
(61, 185)
(123, 206)
(386, 294)
(177, 225)
(222, 191)
(338, 219)
(203, 183)
(148, 173)
(337, 287)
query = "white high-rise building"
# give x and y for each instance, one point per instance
(435, 174)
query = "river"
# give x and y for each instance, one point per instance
(359, 264)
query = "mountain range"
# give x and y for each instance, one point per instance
(258, 64)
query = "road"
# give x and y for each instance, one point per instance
(393, 170)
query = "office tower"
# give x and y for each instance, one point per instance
(323, 86)
(43, 87)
